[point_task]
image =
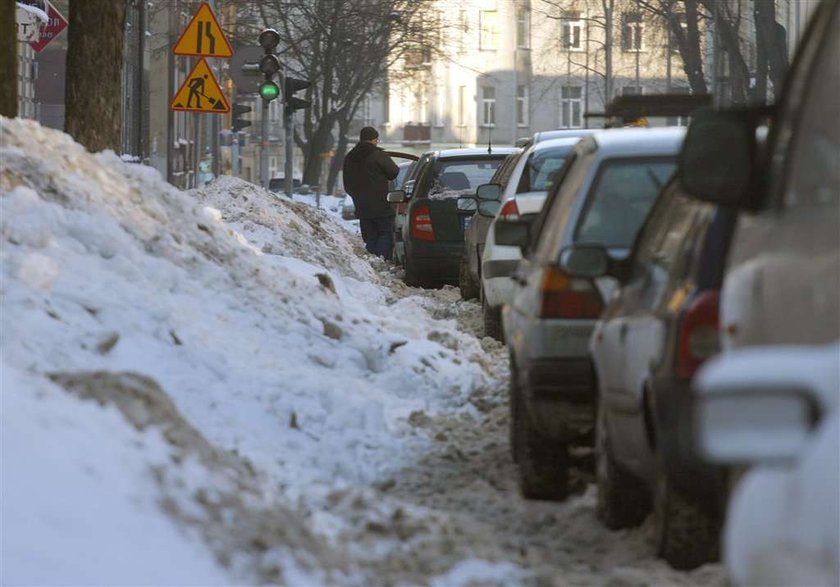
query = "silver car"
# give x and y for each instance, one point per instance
(604, 197)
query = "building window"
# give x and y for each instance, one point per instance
(367, 111)
(522, 105)
(488, 106)
(571, 107)
(523, 28)
(488, 22)
(571, 32)
(462, 104)
(440, 106)
(632, 32)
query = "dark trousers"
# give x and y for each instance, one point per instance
(378, 234)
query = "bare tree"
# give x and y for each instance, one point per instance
(94, 73)
(8, 59)
(345, 48)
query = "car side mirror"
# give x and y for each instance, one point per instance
(718, 161)
(513, 233)
(489, 192)
(466, 205)
(396, 197)
(584, 260)
(761, 405)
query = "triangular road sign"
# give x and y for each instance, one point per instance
(200, 92)
(203, 37)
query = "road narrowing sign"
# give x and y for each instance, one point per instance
(200, 92)
(203, 37)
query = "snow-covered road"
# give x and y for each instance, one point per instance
(220, 387)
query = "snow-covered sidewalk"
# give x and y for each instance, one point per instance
(220, 387)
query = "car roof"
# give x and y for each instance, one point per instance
(546, 135)
(447, 153)
(633, 141)
(554, 143)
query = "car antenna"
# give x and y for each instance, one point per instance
(490, 141)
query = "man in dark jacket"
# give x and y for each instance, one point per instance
(367, 171)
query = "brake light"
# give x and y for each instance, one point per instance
(565, 297)
(421, 224)
(509, 211)
(699, 335)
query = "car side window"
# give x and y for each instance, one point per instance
(812, 83)
(815, 156)
(557, 217)
(670, 222)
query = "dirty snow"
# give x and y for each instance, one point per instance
(220, 387)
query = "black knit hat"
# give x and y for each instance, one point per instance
(368, 133)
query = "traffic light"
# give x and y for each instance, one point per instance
(290, 86)
(238, 123)
(269, 64)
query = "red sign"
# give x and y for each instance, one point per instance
(51, 30)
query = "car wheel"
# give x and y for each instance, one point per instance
(469, 290)
(687, 531)
(492, 320)
(623, 499)
(543, 464)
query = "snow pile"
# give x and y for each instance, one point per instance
(178, 366)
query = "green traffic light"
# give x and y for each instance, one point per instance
(269, 90)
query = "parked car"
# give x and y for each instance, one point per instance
(774, 409)
(521, 197)
(433, 234)
(607, 190)
(782, 287)
(652, 337)
(278, 184)
(476, 232)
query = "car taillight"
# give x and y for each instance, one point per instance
(421, 224)
(565, 297)
(509, 211)
(699, 335)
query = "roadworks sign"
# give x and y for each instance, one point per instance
(203, 37)
(200, 92)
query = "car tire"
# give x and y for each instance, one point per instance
(543, 464)
(468, 287)
(513, 405)
(687, 531)
(492, 320)
(623, 500)
(412, 278)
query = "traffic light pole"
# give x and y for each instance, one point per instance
(289, 127)
(264, 144)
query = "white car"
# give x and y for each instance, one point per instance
(523, 197)
(775, 409)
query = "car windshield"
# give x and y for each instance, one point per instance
(460, 177)
(541, 170)
(621, 198)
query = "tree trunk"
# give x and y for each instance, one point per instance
(337, 162)
(690, 52)
(8, 59)
(93, 93)
(771, 41)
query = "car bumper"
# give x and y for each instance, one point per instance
(435, 261)
(560, 397)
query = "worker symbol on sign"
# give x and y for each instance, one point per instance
(200, 92)
(203, 37)
(196, 91)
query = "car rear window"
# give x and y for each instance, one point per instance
(620, 199)
(458, 177)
